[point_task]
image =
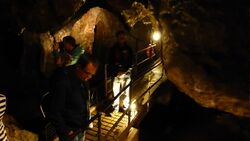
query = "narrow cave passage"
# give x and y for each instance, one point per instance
(188, 80)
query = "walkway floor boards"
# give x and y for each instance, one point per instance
(107, 123)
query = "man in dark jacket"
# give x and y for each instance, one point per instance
(120, 64)
(69, 108)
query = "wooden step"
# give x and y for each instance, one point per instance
(106, 124)
(133, 135)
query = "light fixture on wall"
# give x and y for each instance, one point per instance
(156, 35)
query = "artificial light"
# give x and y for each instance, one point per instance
(156, 35)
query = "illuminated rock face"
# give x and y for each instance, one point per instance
(96, 27)
(205, 53)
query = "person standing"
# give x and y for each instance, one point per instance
(69, 105)
(67, 52)
(121, 59)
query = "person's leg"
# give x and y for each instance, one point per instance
(116, 90)
(127, 91)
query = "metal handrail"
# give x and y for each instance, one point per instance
(98, 115)
(128, 110)
(145, 60)
(41, 104)
(105, 109)
(138, 98)
(118, 95)
(150, 46)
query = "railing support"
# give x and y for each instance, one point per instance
(129, 107)
(98, 115)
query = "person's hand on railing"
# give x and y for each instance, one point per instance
(91, 125)
(122, 73)
(129, 71)
(119, 74)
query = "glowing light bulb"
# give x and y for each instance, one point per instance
(133, 107)
(156, 36)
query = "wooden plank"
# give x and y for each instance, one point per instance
(105, 124)
(91, 132)
(117, 131)
(108, 121)
(90, 137)
(116, 117)
(103, 129)
(95, 129)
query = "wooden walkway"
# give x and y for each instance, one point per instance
(106, 124)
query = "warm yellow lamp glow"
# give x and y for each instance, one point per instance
(133, 107)
(156, 36)
(133, 110)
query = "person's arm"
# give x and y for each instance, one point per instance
(58, 104)
(55, 54)
(77, 52)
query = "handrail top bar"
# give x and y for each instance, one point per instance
(132, 82)
(144, 61)
(150, 46)
(119, 94)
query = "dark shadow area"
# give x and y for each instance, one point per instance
(21, 80)
(176, 117)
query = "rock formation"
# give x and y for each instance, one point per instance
(205, 52)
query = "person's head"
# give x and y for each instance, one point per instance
(86, 66)
(121, 37)
(69, 43)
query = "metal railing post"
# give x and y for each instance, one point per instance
(129, 107)
(98, 116)
(136, 66)
(106, 78)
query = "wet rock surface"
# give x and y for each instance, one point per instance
(205, 52)
(186, 120)
(15, 132)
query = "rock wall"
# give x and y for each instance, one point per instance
(15, 133)
(205, 52)
(92, 29)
